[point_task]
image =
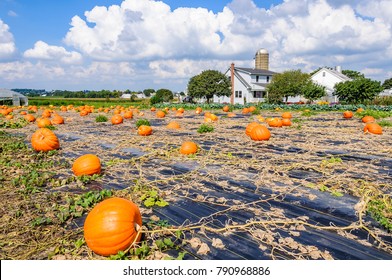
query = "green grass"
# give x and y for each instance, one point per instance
(385, 123)
(375, 114)
(101, 118)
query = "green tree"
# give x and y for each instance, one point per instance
(286, 84)
(358, 90)
(147, 92)
(164, 94)
(209, 83)
(155, 99)
(387, 84)
(312, 91)
(353, 74)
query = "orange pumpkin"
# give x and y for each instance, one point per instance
(44, 140)
(188, 148)
(275, 122)
(359, 110)
(117, 119)
(88, 164)
(128, 115)
(43, 122)
(373, 128)
(287, 115)
(181, 110)
(160, 114)
(83, 113)
(211, 118)
(250, 127)
(348, 114)
(245, 111)
(46, 114)
(231, 115)
(260, 133)
(153, 109)
(29, 118)
(286, 122)
(173, 125)
(144, 130)
(226, 108)
(252, 109)
(9, 117)
(57, 119)
(112, 226)
(367, 119)
(198, 110)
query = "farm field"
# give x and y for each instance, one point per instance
(318, 189)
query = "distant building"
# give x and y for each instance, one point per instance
(329, 78)
(10, 96)
(248, 85)
(126, 96)
(386, 92)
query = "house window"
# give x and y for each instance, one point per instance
(258, 94)
(267, 79)
(323, 74)
(238, 93)
(257, 79)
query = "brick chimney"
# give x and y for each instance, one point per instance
(232, 83)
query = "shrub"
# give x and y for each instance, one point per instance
(142, 122)
(204, 128)
(101, 118)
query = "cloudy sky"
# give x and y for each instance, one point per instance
(138, 44)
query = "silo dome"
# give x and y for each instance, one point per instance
(262, 59)
(262, 51)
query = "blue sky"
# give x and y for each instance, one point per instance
(137, 44)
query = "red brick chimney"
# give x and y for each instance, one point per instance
(232, 84)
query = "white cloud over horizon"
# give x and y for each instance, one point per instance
(142, 43)
(7, 44)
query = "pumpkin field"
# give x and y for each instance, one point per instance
(82, 182)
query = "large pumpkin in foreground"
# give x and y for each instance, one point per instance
(44, 140)
(88, 164)
(112, 226)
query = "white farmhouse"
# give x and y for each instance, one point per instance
(386, 93)
(248, 85)
(329, 78)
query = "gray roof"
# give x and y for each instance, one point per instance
(8, 93)
(336, 73)
(16, 97)
(253, 71)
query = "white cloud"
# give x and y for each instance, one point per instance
(7, 44)
(43, 51)
(12, 13)
(148, 29)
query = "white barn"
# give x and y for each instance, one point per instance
(329, 78)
